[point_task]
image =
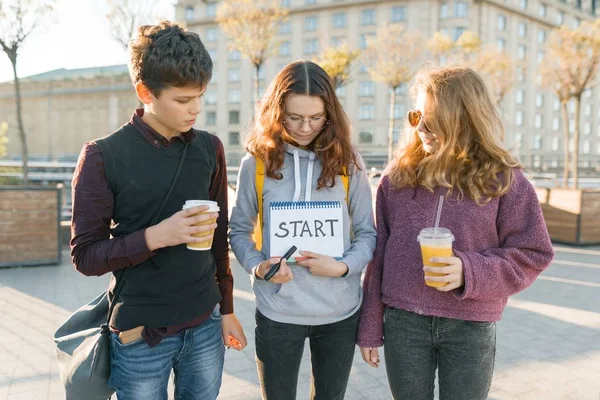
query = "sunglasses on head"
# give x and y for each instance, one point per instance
(415, 117)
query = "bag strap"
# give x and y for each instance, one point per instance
(259, 182)
(119, 287)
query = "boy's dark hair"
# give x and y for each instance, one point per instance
(167, 55)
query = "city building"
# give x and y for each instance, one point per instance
(64, 108)
(519, 27)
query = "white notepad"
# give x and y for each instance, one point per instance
(316, 226)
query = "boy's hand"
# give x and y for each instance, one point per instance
(233, 333)
(320, 265)
(179, 228)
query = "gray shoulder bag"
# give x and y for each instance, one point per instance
(83, 343)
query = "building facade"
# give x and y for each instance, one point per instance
(63, 109)
(519, 27)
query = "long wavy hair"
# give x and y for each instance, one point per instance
(267, 136)
(470, 159)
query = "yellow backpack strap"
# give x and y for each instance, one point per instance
(346, 182)
(259, 182)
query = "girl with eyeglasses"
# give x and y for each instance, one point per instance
(302, 136)
(452, 149)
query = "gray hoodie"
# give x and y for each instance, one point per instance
(307, 299)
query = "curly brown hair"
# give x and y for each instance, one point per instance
(265, 139)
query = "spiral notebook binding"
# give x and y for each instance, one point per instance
(302, 205)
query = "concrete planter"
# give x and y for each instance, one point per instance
(572, 215)
(29, 226)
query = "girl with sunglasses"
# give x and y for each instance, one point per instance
(302, 136)
(452, 148)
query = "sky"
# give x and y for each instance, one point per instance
(78, 36)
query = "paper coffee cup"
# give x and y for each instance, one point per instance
(435, 243)
(206, 245)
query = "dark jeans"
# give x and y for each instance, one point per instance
(462, 351)
(279, 349)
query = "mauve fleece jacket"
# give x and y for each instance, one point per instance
(504, 245)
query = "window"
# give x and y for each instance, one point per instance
(501, 44)
(541, 36)
(310, 2)
(587, 110)
(461, 9)
(364, 40)
(285, 28)
(285, 49)
(366, 112)
(539, 121)
(234, 138)
(501, 22)
(366, 88)
(211, 118)
(519, 118)
(555, 143)
(311, 23)
(560, 18)
(367, 17)
(522, 29)
(399, 111)
(341, 91)
(555, 124)
(311, 46)
(213, 54)
(234, 75)
(233, 96)
(234, 117)
(556, 104)
(234, 55)
(212, 34)
(399, 14)
(539, 100)
(587, 128)
(401, 89)
(210, 97)
(540, 57)
(211, 10)
(587, 92)
(576, 23)
(444, 10)
(537, 142)
(365, 136)
(339, 20)
(524, 4)
(520, 74)
(543, 10)
(189, 13)
(598, 148)
(285, 3)
(457, 32)
(521, 51)
(520, 96)
(586, 147)
(336, 41)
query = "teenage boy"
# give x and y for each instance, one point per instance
(175, 311)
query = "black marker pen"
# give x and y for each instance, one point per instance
(276, 267)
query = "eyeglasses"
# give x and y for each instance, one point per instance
(415, 117)
(295, 123)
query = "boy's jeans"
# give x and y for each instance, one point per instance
(279, 349)
(462, 351)
(196, 356)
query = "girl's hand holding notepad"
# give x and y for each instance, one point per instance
(321, 265)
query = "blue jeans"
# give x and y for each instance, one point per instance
(196, 356)
(462, 351)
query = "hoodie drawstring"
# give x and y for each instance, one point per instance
(309, 175)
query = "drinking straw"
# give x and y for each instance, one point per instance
(439, 214)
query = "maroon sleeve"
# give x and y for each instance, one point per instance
(92, 250)
(220, 248)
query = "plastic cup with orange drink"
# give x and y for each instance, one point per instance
(435, 242)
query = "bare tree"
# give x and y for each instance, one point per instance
(392, 57)
(497, 69)
(570, 66)
(3, 139)
(18, 19)
(440, 45)
(125, 16)
(251, 27)
(336, 61)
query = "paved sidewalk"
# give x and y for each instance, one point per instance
(548, 340)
